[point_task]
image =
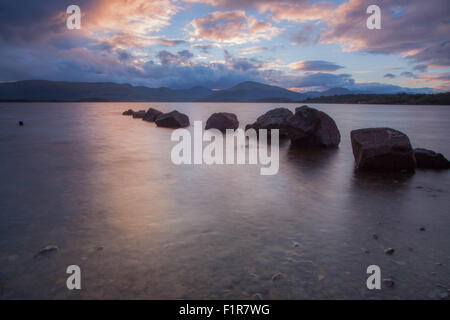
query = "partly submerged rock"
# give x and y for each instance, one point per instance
(388, 282)
(151, 115)
(428, 159)
(46, 251)
(277, 276)
(222, 121)
(273, 119)
(310, 127)
(383, 149)
(129, 112)
(139, 114)
(173, 119)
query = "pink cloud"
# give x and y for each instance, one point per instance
(232, 27)
(415, 29)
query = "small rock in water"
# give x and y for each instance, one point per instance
(257, 296)
(375, 236)
(295, 244)
(129, 112)
(139, 114)
(20, 123)
(388, 282)
(277, 276)
(428, 159)
(389, 251)
(410, 249)
(47, 250)
(100, 248)
(422, 229)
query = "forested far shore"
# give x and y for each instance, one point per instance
(400, 98)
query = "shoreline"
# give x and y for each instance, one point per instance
(231, 102)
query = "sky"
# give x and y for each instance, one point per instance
(303, 45)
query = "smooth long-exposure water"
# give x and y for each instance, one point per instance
(102, 187)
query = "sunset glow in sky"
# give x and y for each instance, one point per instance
(299, 44)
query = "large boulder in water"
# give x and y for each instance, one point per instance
(139, 114)
(383, 149)
(310, 127)
(173, 120)
(428, 159)
(273, 119)
(151, 115)
(129, 112)
(222, 121)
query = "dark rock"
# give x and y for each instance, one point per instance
(151, 115)
(388, 282)
(257, 296)
(172, 119)
(310, 127)
(139, 114)
(47, 250)
(222, 121)
(20, 123)
(129, 112)
(389, 251)
(382, 149)
(422, 229)
(428, 159)
(277, 276)
(375, 236)
(273, 119)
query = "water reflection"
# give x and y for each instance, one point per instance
(82, 176)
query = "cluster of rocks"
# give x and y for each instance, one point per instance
(382, 149)
(173, 119)
(387, 149)
(307, 127)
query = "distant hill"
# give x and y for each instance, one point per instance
(251, 91)
(401, 98)
(42, 90)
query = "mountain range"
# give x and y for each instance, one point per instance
(248, 91)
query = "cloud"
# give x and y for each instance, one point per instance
(182, 57)
(292, 10)
(389, 75)
(232, 27)
(123, 41)
(408, 74)
(251, 50)
(243, 64)
(416, 33)
(321, 81)
(306, 35)
(421, 67)
(315, 66)
(133, 17)
(205, 48)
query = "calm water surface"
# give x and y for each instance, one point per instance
(102, 188)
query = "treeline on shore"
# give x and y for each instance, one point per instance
(400, 98)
